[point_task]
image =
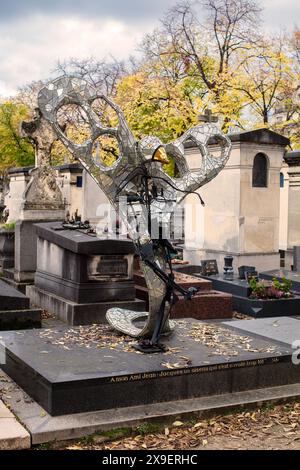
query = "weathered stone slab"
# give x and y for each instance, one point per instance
(15, 311)
(237, 287)
(7, 249)
(74, 313)
(81, 243)
(283, 329)
(20, 319)
(206, 304)
(12, 434)
(12, 299)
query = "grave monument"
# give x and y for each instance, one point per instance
(141, 191)
(42, 200)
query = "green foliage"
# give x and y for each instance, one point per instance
(285, 286)
(154, 106)
(258, 287)
(14, 149)
(8, 226)
(149, 428)
(270, 290)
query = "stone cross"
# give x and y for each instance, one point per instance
(40, 132)
(208, 116)
(42, 192)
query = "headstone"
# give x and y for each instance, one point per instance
(242, 270)
(209, 267)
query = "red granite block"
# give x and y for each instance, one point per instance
(206, 304)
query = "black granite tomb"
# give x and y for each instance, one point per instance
(15, 311)
(68, 376)
(257, 308)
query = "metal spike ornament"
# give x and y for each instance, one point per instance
(151, 195)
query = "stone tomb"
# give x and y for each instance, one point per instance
(80, 369)
(15, 311)
(79, 276)
(257, 308)
(283, 329)
(206, 304)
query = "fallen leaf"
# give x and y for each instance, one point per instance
(177, 424)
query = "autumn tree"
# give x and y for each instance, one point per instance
(262, 77)
(154, 106)
(287, 112)
(203, 41)
(103, 74)
(14, 149)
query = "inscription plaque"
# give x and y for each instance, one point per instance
(209, 267)
(107, 267)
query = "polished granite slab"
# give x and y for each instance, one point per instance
(88, 368)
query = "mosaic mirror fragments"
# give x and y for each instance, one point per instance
(138, 187)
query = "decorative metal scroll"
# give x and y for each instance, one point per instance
(138, 177)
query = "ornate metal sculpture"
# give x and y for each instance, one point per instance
(151, 194)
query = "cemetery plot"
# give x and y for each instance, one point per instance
(73, 370)
(256, 307)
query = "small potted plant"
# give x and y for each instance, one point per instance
(261, 289)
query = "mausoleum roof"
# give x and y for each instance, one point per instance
(71, 167)
(21, 169)
(258, 136)
(292, 158)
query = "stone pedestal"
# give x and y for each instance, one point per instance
(18, 182)
(26, 247)
(42, 201)
(79, 276)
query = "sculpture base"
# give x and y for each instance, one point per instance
(146, 347)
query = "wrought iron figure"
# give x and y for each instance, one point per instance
(138, 177)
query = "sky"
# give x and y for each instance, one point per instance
(35, 34)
